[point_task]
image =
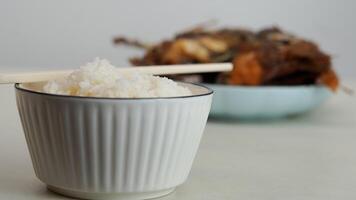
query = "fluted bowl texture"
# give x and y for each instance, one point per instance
(91, 145)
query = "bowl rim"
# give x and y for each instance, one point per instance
(209, 92)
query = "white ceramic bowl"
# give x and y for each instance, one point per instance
(102, 148)
(265, 102)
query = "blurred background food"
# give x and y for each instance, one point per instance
(266, 57)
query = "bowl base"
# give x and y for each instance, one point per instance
(107, 196)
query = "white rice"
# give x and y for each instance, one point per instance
(100, 79)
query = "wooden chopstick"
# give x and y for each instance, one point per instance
(155, 70)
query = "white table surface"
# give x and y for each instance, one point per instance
(308, 157)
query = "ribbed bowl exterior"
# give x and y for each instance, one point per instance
(112, 145)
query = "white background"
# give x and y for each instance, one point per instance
(67, 33)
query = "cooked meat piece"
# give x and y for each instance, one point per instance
(329, 78)
(247, 70)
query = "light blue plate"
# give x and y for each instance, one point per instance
(265, 102)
